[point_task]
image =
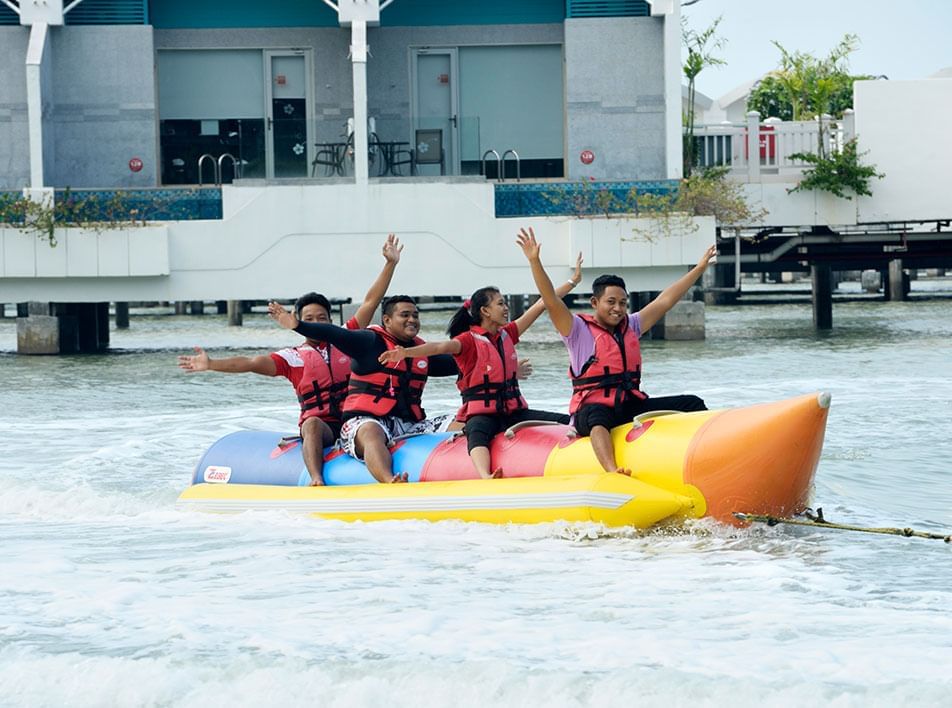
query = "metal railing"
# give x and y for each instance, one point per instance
(217, 167)
(502, 175)
(756, 149)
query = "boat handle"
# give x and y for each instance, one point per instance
(639, 420)
(513, 429)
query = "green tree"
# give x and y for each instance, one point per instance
(806, 87)
(700, 47)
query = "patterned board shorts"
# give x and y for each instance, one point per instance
(393, 427)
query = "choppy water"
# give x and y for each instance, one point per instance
(110, 596)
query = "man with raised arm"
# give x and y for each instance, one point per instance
(318, 372)
(383, 401)
(604, 352)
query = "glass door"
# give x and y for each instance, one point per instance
(288, 107)
(434, 108)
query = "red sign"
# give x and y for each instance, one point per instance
(587, 157)
(135, 164)
(444, 78)
(281, 80)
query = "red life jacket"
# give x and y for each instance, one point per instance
(323, 386)
(491, 386)
(395, 390)
(612, 375)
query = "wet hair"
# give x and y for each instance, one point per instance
(390, 304)
(311, 299)
(607, 281)
(469, 315)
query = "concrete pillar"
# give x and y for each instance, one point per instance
(871, 281)
(63, 328)
(723, 284)
(898, 281)
(91, 323)
(180, 307)
(197, 307)
(685, 321)
(38, 334)
(822, 278)
(517, 305)
(637, 300)
(122, 315)
(235, 316)
(346, 310)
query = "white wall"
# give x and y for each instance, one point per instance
(903, 129)
(281, 241)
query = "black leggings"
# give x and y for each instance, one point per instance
(587, 417)
(480, 429)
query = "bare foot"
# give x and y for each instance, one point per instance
(401, 478)
(623, 470)
(497, 473)
(317, 482)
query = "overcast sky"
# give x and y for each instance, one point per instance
(903, 39)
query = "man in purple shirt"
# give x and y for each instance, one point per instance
(604, 354)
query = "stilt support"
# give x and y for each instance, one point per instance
(122, 315)
(822, 278)
(235, 315)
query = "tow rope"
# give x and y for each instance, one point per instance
(817, 520)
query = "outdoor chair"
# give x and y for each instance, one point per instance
(428, 148)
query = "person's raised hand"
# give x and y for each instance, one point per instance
(392, 248)
(194, 362)
(577, 275)
(527, 242)
(706, 259)
(286, 319)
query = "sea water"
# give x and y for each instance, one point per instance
(111, 596)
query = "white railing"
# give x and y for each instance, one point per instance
(771, 143)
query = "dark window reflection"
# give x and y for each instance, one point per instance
(290, 137)
(182, 142)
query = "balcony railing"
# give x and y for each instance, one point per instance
(758, 151)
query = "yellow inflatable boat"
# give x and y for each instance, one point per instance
(758, 459)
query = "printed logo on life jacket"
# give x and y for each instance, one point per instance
(421, 364)
(342, 360)
(217, 475)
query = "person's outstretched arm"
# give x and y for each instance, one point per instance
(200, 361)
(656, 309)
(559, 314)
(538, 307)
(391, 253)
(355, 343)
(427, 349)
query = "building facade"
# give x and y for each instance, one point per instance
(132, 93)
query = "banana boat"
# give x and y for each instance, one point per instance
(758, 459)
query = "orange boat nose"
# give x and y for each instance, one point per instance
(746, 460)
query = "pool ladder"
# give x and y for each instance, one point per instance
(216, 167)
(501, 164)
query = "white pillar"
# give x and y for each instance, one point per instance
(753, 146)
(358, 56)
(849, 125)
(37, 56)
(673, 131)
